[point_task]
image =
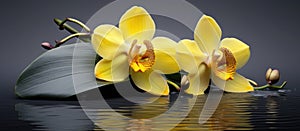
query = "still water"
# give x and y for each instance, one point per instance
(247, 111)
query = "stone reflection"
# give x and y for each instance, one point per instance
(54, 117)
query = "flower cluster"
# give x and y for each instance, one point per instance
(131, 50)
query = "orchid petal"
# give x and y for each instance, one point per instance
(137, 24)
(207, 34)
(238, 85)
(199, 82)
(151, 82)
(165, 59)
(108, 41)
(189, 56)
(239, 49)
(113, 70)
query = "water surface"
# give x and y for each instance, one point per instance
(246, 111)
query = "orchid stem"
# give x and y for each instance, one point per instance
(74, 33)
(65, 26)
(173, 84)
(281, 86)
(58, 43)
(61, 25)
(262, 87)
(271, 86)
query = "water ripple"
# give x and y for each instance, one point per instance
(257, 110)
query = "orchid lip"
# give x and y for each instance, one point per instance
(223, 63)
(139, 62)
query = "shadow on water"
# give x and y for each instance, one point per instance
(257, 110)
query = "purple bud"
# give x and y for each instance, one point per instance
(47, 45)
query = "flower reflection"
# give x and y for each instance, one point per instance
(139, 125)
(150, 110)
(134, 117)
(272, 111)
(235, 112)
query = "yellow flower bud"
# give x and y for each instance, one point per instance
(272, 76)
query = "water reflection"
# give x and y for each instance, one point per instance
(54, 116)
(272, 110)
(235, 112)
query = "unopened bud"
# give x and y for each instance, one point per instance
(47, 45)
(184, 80)
(272, 76)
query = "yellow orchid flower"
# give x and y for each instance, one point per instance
(208, 57)
(132, 50)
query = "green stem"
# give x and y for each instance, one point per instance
(261, 87)
(74, 21)
(279, 87)
(173, 84)
(271, 86)
(65, 26)
(58, 43)
(74, 33)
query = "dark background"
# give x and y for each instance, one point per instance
(270, 27)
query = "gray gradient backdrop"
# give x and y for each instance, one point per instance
(270, 27)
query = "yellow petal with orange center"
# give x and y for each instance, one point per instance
(224, 66)
(239, 49)
(143, 62)
(137, 24)
(207, 34)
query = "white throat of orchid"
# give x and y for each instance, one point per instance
(141, 62)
